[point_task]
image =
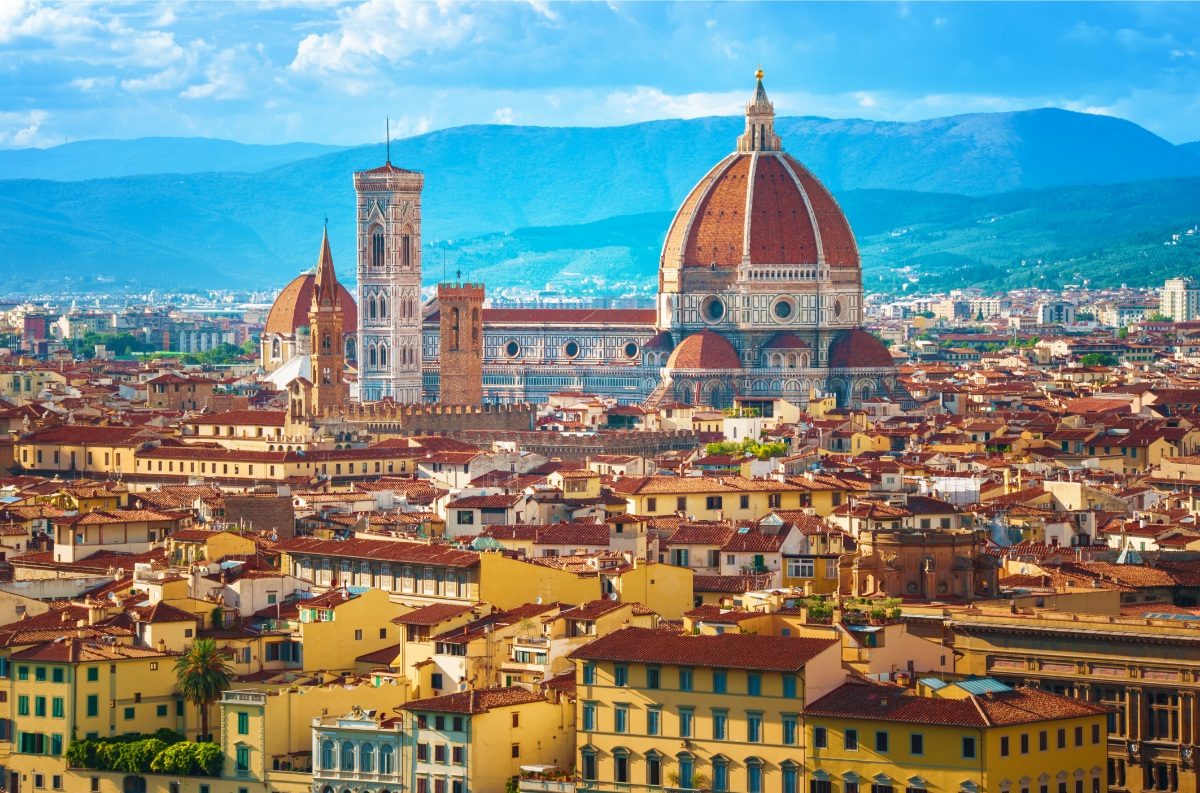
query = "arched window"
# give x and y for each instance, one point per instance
(653, 769)
(366, 759)
(372, 358)
(383, 308)
(377, 247)
(370, 306)
(383, 355)
(791, 776)
(275, 347)
(406, 249)
(347, 756)
(327, 759)
(387, 759)
(621, 766)
(754, 775)
(687, 769)
(454, 329)
(475, 326)
(588, 757)
(326, 342)
(720, 774)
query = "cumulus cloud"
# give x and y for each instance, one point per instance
(503, 115)
(387, 30)
(24, 129)
(645, 102)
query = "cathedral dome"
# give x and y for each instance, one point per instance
(857, 349)
(792, 218)
(291, 307)
(704, 350)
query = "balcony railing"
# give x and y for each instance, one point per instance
(545, 786)
(244, 697)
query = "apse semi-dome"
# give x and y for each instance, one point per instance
(704, 350)
(857, 349)
(291, 307)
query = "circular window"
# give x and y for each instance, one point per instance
(837, 307)
(512, 349)
(571, 349)
(712, 309)
(631, 349)
(782, 309)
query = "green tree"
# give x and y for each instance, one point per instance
(1099, 359)
(1122, 332)
(203, 674)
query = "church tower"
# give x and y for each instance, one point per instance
(460, 344)
(389, 283)
(326, 322)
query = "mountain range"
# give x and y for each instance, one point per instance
(934, 203)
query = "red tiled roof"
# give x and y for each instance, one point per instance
(386, 550)
(883, 702)
(704, 350)
(856, 348)
(723, 651)
(474, 701)
(431, 614)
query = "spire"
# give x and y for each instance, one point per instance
(325, 287)
(759, 134)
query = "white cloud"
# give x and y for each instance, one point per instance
(62, 25)
(503, 115)
(645, 102)
(865, 99)
(388, 30)
(23, 129)
(89, 84)
(226, 76)
(543, 9)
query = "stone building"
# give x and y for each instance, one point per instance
(461, 328)
(388, 218)
(760, 298)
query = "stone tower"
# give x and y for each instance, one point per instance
(389, 283)
(461, 343)
(326, 322)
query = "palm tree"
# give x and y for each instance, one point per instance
(202, 674)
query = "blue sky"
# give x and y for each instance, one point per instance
(280, 70)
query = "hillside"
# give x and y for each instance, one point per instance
(103, 159)
(1111, 234)
(580, 187)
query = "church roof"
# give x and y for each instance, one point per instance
(290, 309)
(793, 219)
(704, 350)
(857, 349)
(786, 340)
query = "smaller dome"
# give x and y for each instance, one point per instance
(290, 309)
(786, 340)
(704, 350)
(660, 341)
(857, 349)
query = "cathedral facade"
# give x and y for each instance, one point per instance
(759, 298)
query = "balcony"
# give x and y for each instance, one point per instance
(545, 786)
(244, 698)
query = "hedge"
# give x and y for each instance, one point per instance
(166, 752)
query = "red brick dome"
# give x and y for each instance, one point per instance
(704, 350)
(793, 219)
(290, 309)
(857, 349)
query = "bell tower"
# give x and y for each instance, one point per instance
(326, 331)
(389, 283)
(460, 343)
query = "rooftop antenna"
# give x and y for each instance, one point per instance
(388, 137)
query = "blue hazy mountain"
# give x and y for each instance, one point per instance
(100, 159)
(489, 187)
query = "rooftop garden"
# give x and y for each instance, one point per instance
(164, 752)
